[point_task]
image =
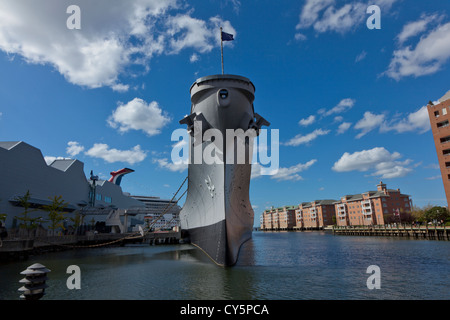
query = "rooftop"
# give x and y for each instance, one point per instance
(8, 145)
(445, 97)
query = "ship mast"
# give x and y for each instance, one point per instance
(221, 47)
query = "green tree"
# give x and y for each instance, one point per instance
(436, 214)
(56, 212)
(27, 222)
(77, 220)
(418, 213)
(333, 219)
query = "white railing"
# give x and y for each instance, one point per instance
(366, 207)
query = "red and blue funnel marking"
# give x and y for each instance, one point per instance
(116, 176)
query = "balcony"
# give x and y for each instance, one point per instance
(341, 210)
(366, 207)
(342, 214)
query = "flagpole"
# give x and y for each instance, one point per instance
(221, 47)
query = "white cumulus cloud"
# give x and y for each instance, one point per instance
(193, 58)
(428, 56)
(111, 155)
(369, 122)
(114, 36)
(188, 32)
(342, 106)
(379, 160)
(414, 28)
(283, 174)
(415, 121)
(303, 139)
(139, 115)
(74, 148)
(307, 121)
(178, 166)
(344, 126)
(327, 15)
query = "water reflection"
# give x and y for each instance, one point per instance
(247, 254)
(295, 265)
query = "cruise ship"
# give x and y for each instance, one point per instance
(158, 214)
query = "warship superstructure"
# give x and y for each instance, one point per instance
(217, 215)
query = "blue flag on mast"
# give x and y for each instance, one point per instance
(227, 36)
(224, 37)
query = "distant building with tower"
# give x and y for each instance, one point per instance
(372, 207)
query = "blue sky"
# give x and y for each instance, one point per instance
(348, 101)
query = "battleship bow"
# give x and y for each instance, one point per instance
(217, 216)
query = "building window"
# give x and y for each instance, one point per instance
(108, 199)
(98, 196)
(444, 111)
(436, 113)
(446, 152)
(445, 139)
(442, 124)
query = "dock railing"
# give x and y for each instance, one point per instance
(15, 244)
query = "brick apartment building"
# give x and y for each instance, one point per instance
(371, 207)
(308, 215)
(282, 218)
(439, 115)
(368, 208)
(315, 214)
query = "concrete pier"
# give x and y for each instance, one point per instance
(24, 247)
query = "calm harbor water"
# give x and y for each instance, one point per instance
(275, 266)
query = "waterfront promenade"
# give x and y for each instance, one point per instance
(15, 246)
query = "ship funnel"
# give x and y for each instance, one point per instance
(116, 176)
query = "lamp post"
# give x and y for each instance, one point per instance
(93, 179)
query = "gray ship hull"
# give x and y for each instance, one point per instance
(217, 216)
